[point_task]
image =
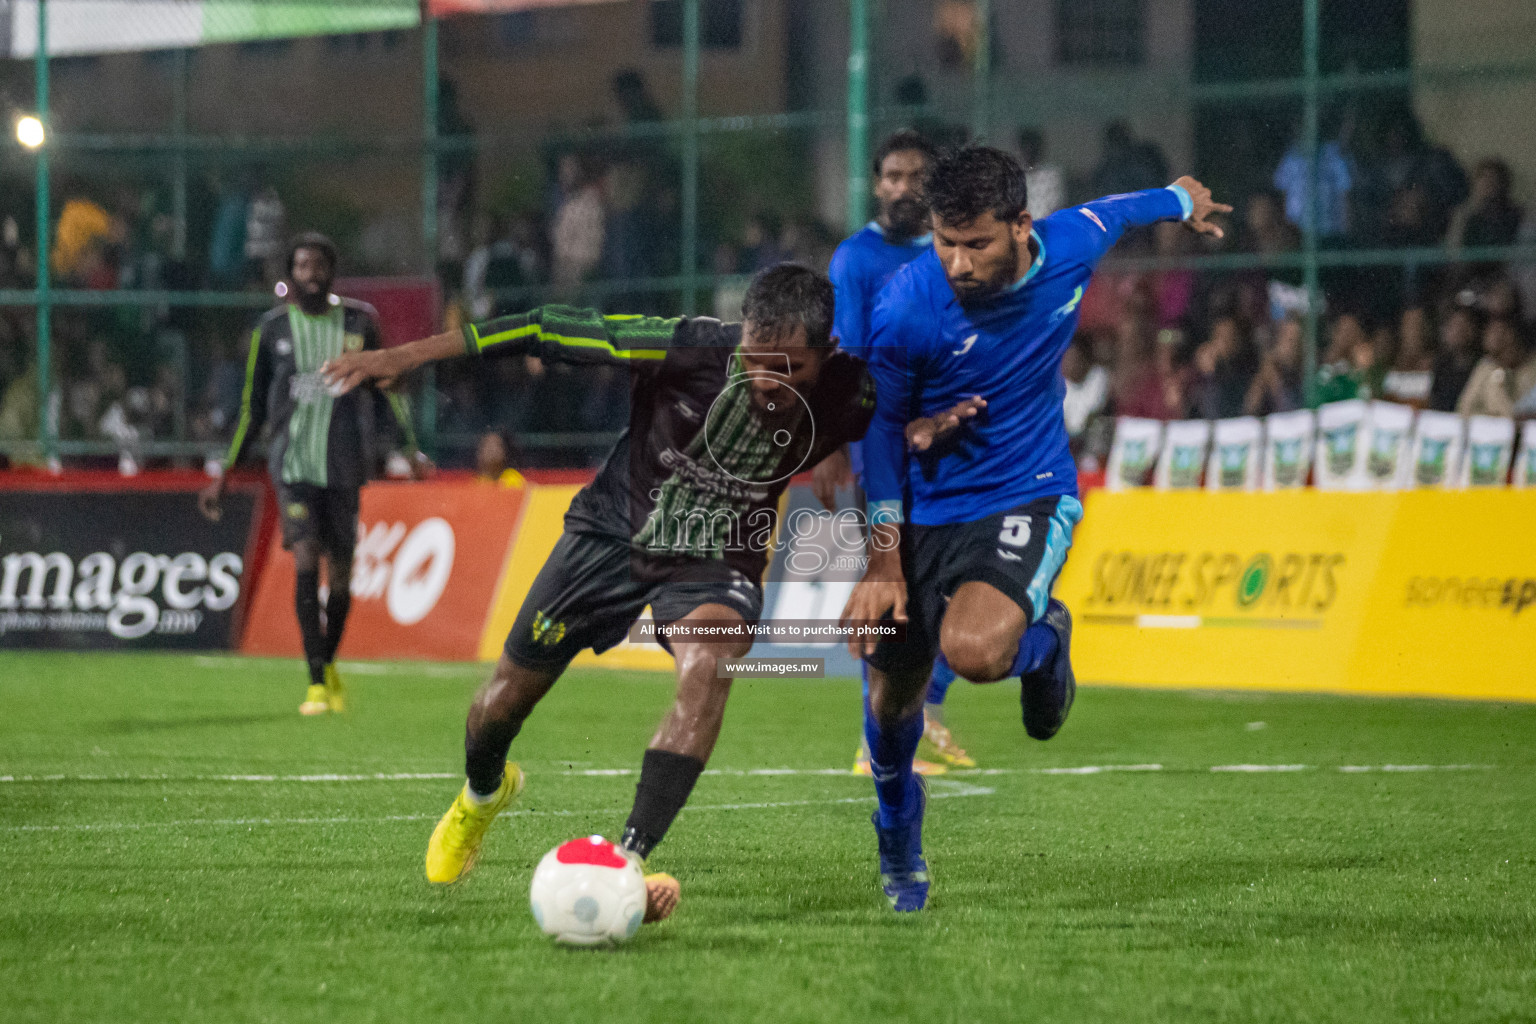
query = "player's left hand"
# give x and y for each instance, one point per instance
(925, 430)
(1204, 207)
(421, 466)
(352, 369)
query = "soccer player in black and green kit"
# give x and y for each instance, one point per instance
(680, 518)
(321, 448)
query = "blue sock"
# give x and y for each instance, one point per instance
(1036, 648)
(890, 759)
(938, 683)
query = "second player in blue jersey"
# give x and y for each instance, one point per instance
(984, 318)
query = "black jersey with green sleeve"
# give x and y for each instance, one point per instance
(317, 437)
(699, 473)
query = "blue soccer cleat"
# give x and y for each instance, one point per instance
(1047, 694)
(903, 871)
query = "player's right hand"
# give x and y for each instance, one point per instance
(352, 369)
(925, 430)
(1204, 206)
(830, 475)
(210, 498)
(868, 603)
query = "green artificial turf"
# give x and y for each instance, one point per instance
(139, 887)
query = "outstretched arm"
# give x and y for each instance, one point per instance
(1186, 200)
(558, 333)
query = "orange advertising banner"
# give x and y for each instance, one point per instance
(428, 559)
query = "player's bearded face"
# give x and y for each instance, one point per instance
(782, 368)
(312, 274)
(982, 257)
(899, 190)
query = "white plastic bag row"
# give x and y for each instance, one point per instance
(1352, 446)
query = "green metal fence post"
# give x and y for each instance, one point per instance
(46, 427)
(1309, 234)
(981, 74)
(427, 408)
(858, 113)
(690, 225)
(180, 70)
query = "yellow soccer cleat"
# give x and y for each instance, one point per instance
(455, 843)
(938, 744)
(335, 690)
(315, 702)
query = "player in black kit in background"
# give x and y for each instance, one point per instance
(680, 518)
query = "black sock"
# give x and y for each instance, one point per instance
(666, 780)
(485, 755)
(337, 605)
(306, 602)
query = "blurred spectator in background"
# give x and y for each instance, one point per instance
(84, 235)
(1460, 333)
(1223, 370)
(1266, 229)
(1045, 184)
(266, 236)
(1127, 163)
(503, 257)
(576, 236)
(1173, 290)
(1349, 369)
(1335, 177)
(493, 459)
(1505, 374)
(1416, 186)
(226, 240)
(761, 247)
(1490, 216)
(1279, 384)
(1411, 375)
(1145, 382)
(1087, 388)
(18, 400)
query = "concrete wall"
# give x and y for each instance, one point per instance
(1493, 117)
(1068, 105)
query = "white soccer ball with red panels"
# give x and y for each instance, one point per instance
(588, 893)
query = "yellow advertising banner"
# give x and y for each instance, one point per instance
(1422, 592)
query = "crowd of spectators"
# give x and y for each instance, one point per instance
(1442, 331)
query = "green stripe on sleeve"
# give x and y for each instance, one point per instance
(245, 403)
(577, 329)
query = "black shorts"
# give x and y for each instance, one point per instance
(326, 515)
(1020, 552)
(593, 588)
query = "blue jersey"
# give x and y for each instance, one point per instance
(861, 266)
(928, 352)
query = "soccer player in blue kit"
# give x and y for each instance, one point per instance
(987, 315)
(860, 268)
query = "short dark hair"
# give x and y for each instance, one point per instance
(312, 240)
(967, 182)
(903, 141)
(789, 295)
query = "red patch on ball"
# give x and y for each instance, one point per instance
(595, 850)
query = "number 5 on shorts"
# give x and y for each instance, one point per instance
(1015, 531)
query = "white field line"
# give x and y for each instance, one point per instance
(1088, 769)
(939, 790)
(1261, 767)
